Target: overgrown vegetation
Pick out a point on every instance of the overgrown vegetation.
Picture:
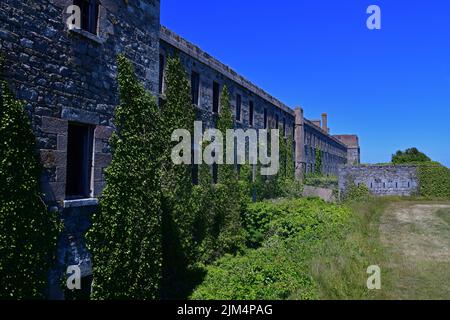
(434, 181)
(357, 193)
(340, 262)
(318, 162)
(302, 249)
(178, 245)
(28, 231)
(224, 200)
(410, 155)
(321, 181)
(283, 184)
(125, 240)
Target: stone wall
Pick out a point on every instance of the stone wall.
(381, 180)
(353, 149)
(334, 152)
(71, 76)
(65, 75)
(210, 70)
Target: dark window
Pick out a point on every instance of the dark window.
(265, 118)
(89, 14)
(162, 63)
(238, 107)
(216, 93)
(251, 111)
(284, 127)
(194, 169)
(215, 170)
(79, 161)
(195, 87)
(276, 121)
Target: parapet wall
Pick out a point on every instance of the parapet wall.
(195, 52)
(381, 180)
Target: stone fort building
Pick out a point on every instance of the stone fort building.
(67, 78)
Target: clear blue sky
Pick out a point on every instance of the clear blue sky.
(389, 86)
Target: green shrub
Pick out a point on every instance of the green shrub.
(269, 273)
(227, 204)
(434, 180)
(320, 181)
(221, 204)
(357, 193)
(411, 155)
(288, 233)
(257, 219)
(318, 162)
(290, 188)
(179, 248)
(125, 240)
(28, 231)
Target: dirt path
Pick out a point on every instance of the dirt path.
(417, 237)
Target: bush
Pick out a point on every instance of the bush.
(226, 204)
(409, 156)
(269, 273)
(28, 231)
(288, 233)
(179, 249)
(434, 180)
(320, 181)
(357, 193)
(318, 162)
(125, 239)
(257, 219)
(290, 188)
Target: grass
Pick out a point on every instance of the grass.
(409, 239)
(339, 265)
(444, 214)
(417, 243)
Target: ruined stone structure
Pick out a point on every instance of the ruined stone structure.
(253, 107)
(68, 80)
(353, 150)
(381, 180)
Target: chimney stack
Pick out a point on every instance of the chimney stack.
(325, 122)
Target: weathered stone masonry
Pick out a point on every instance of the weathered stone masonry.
(68, 78)
(277, 114)
(381, 180)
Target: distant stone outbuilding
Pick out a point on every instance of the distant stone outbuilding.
(381, 180)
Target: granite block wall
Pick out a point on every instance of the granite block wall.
(381, 180)
(211, 70)
(278, 114)
(70, 76)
